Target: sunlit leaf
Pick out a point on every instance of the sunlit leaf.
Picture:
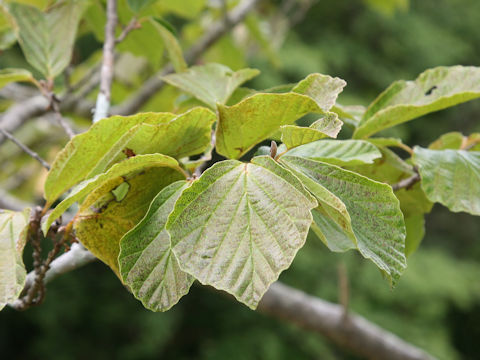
(242, 126)
(147, 264)
(116, 138)
(322, 88)
(122, 168)
(327, 126)
(240, 225)
(433, 90)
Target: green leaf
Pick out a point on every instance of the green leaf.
(376, 219)
(13, 236)
(433, 90)
(145, 42)
(171, 44)
(415, 226)
(450, 177)
(339, 152)
(137, 5)
(210, 83)
(111, 140)
(389, 168)
(293, 136)
(322, 88)
(102, 220)
(186, 9)
(147, 264)
(240, 225)
(47, 38)
(86, 154)
(331, 232)
(242, 126)
(122, 168)
(451, 140)
(14, 75)
(351, 114)
(390, 142)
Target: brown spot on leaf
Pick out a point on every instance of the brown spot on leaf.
(128, 152)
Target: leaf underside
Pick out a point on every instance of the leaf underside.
(147, 263)
(240, 225)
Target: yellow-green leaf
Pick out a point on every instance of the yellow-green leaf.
(14, 75)
(123, 168)
(256, 118)
(102, 220)
(322, 88)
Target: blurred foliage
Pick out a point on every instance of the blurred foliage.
(88, 314)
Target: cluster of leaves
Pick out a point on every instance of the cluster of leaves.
(145, 213)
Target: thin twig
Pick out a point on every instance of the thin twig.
(106, 74)
(283, 302)
(132, 25)
(213, 34)
(408, 182)
(343, 288)
(26, 149)
(55, 105)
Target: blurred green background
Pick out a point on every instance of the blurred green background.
(436, 305)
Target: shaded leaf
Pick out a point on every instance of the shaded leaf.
(390, 168)
(450, 177)
(137, 5)
(351, 114)
(240, 225)
(13, 236)
(14, 75)
(242, 126)
(102, 220)
(376, 219)
(171, 44)
(47, 38)
(147, 264)
(433, 90)
(389, 142)
(122, 168)
(210, 83)
(339, 152)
